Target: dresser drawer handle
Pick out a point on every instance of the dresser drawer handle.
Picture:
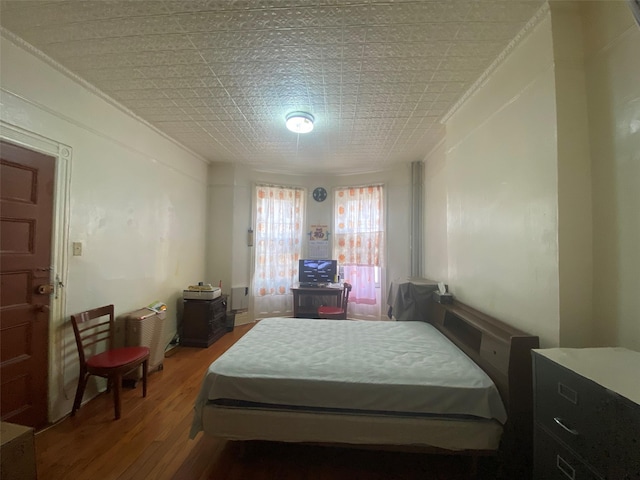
(561, 423)
(565, 467)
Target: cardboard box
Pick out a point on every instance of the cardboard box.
(17, 452)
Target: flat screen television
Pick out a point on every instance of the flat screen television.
(317, 272)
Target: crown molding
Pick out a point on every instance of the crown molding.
(531, 24)
(23, 44)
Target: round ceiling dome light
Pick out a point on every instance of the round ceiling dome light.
(300, 122)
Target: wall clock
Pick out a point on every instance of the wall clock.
(319, 194)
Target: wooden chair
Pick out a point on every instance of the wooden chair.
(96, 326)
(336, 313)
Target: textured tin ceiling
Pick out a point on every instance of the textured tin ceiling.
(220, 76)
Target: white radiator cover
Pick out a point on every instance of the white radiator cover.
(146, 328)
(239, 298)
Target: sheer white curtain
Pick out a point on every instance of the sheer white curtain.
(278, 243)
(358, 244)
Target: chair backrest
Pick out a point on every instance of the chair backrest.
(345, 296)
(92, 327)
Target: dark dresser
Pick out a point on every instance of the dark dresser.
(203, 321)
(586, 414)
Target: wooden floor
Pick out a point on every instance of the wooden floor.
(151, 440)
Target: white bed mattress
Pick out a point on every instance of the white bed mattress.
(400, 367)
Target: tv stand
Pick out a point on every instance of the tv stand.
(306, 300)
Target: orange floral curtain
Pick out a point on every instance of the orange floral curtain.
(278, 240)
(359, 239)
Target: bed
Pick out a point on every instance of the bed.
(458, 383)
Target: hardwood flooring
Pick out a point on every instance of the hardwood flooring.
(151, 440)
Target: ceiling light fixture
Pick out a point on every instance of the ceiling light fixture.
(300, 122)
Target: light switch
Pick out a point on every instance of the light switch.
(77, 249)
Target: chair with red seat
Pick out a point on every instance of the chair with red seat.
(336, 313)
(94, 327)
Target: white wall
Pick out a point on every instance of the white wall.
(575, 231)
(137, 204)
(501, 187)
(436, 264)
(612, 65)
(540, 174)
(232, 259)
(222, 215)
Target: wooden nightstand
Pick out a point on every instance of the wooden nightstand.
(203, 321)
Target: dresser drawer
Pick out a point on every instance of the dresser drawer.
(575, 410)
(553, 461)
(219, 307)
(217, 325)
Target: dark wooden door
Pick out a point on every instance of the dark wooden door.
(26, 213)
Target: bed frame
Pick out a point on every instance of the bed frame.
(504, 353)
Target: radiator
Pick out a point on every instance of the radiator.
(239, 298)
(146, 328)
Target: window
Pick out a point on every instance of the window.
(278, 243)
(359, 245)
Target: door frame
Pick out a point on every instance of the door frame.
(59, 252)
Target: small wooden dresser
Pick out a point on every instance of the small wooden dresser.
(586, 414)
(203, 321)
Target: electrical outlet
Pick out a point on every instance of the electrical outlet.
(77, 249)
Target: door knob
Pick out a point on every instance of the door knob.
(46, 289)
